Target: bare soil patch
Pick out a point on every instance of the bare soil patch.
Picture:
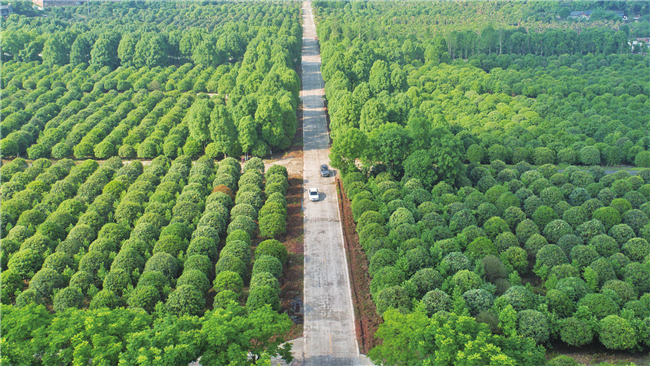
(365, 312)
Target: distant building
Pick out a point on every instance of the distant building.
(587, 14)
(580, 14)
(6, 10)
(55, 3)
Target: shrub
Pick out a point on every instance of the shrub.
(560, 303)
(461, 220)
(272, 225)
(272, 208)
(425, 280)
(454, 262)
(603, 269)
(505, 240)
(600, 305)
(170, 244)
(621, 205)
(480, 248)
(478, 300)
(185, 300)
(635, 219)
(362, 206)
(550, 256)
(229, 280)
(277, 169)
(45, 281)
(239, 235)
(495, 226)
(604, 245)
(117, 281)
(435, 301)
(156, 279)
(513, 216)
(203, 246)
(69, 297)
(525, 230)
(273, 248)
(244, 223)
(619, 261)
(622, 233)
(573, 287)
(621, 292)
(575, 332)
(59, 261)
(638, 275)
(267, 263)
(369, 217)
(401, 216)
(237, 249)
(394, 297)
(466, 280)
(533, 324)
(551, 196)
(196, 279)
(582, 255)
(105, 299)
(384, 278)
(261, 296)
(535, 243)
(567, 242)
(265, 279)
(617, 333)
(520, 298)
(144, 297)
(608, 216)
(199, 262)
(517, 258)
(590, 229)
(544, 215)
(556, 229)
(164, 263)
(636, 249)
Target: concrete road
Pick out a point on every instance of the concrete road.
(329, 331)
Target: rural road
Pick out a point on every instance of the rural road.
(329, 330)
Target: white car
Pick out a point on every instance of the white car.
(313, 194)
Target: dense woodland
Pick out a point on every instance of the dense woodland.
(161, 262)
(129, 80)
(448, 126)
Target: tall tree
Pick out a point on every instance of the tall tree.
(198, 119)
(81, 48)
(56, 50)
(104, 52)
(126, 49)
(223, 131)
(247, 133)
(347, 148)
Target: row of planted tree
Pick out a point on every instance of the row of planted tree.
(476, 264)
(95, 109)
(162, 238)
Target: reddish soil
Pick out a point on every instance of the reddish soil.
(365, 312)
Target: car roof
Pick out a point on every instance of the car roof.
(312, 190)
(324, 166)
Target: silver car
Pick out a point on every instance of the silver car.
(314, 195)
